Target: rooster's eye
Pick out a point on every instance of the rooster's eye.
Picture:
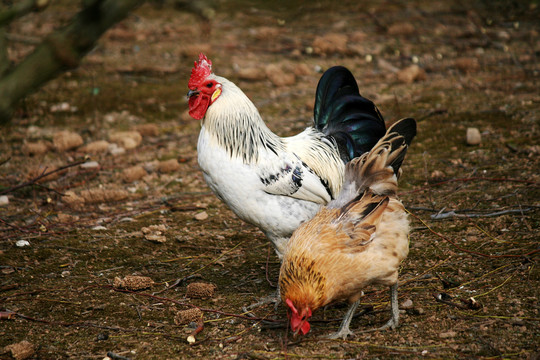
(209, 85)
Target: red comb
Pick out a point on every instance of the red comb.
(200, 71)
(291, 306)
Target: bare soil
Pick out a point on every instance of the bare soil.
(469, 288)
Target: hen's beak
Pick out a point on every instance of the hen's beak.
(192, 93)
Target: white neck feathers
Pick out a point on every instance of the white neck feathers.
(235, 124)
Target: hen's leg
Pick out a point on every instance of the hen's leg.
(344, 330)
(394, 320)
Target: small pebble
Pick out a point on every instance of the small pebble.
(407, 304)
(4, 200)
(473, 136)
(448, 334)
(99, 227)
(90, 165)
(201, 216)
(22, 243)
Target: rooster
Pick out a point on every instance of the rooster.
(358, 239)
(277, 183)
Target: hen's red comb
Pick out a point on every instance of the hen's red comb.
(200, 71)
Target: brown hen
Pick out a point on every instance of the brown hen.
(358, 239)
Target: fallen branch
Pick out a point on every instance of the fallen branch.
(451, 214)
(45, 173)
(443, 300)
(200, 326)
(5, 161)
(13, 226)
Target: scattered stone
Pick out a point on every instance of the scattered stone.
(448, 334)
(21, 351)
(437, 175)
(473, 136)
(151, 166)
(98, 195)
(503, 35)
(192, 51)
(278, 76)
(66, 218)
(467, 64)
(401, 29)
(22, 243)
(90, 165)
(99, 228)
(147, 129)
(63, 107)
(38, 171)
(332, 43)
(95, 147)
(184, 317)
(160, 239)
(35, 148)
(127, 139)
(151, 228)
(199, 290)
(251, 74)
(133, 282)
(67, 140)
(114, 149)
(133, 173)
(266, 33)
(4, 200)
(407, 304)
(386, 66)
(201, 216)
(411, 74)
(302, 69)
(154, 233)
(73, 200)
(168, 166)
(358, 36)
(123, 116)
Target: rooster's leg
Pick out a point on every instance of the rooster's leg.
(344, 330)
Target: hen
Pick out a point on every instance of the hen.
(357, 240)
(272, 182)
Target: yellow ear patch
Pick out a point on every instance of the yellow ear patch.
(215, 95)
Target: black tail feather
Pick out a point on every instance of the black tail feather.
(341, 113)
(404, 131)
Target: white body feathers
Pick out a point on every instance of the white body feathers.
(271, 182)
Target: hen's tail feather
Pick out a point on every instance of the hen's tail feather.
(379, 169)
(352, 121)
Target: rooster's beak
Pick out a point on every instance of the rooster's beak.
(192, 93)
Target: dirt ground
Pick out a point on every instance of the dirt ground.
(139, 206)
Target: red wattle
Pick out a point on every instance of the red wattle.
(198, 106)
(305, 328)
(298, 326)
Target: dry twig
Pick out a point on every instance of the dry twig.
(45, 173)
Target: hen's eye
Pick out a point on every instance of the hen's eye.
(209, 85)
